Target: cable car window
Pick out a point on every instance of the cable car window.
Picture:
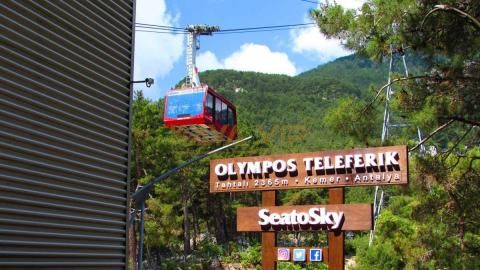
(185, 104)
(230, 117)
(224, 114)
(218, 110)
(209, 104)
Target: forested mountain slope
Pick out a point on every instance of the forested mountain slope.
(324, 108)
(290, 109)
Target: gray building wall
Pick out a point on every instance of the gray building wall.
(64, 133)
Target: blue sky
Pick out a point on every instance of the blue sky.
(290, 52)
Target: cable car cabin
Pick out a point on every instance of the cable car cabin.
(200, 113)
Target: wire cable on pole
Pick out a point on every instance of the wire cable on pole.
(159, 26)
(308, 1)
(268, 27)
(161, 32)
(163, 29)
(262, 30)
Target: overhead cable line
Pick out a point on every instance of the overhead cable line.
(313, 2)
(261, 30)
(162, 29)
(159, 26)
(267, 27)
(220, 32)
(161, 32)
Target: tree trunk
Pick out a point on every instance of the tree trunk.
(186, 224)
(138, 162)
(225, 226)
(461, 235)
(219, 217)
(132, 244)
(209, 227)
(461, 232)
(132, 233)
(195, 228)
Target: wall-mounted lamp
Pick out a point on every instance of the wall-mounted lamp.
(148, 82)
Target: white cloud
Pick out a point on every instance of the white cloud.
(260, 58)
(208, 61)
(155, 54)
(350, 4)
(311, 42)
(353, 4)
(250, 57)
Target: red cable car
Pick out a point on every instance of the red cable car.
(201, 114)
(196, 110)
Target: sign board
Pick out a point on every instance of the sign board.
(331, 217)
(354, 167)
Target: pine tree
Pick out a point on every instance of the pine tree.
(445, 101)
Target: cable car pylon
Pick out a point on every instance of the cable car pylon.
(380, 196)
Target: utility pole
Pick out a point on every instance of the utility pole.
(193, 45)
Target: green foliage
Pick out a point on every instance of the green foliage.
(299, 266)
(251, 256)
(381, 256)
(348, 118)
(359, 195)
(446, 40)
(304, 196)
(432, 224)
(209, 249)
(285, 111)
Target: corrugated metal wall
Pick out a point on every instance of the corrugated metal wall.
(64, 133)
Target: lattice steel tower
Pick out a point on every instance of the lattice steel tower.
(388, 123)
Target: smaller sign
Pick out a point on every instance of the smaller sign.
(298, 254)
(331, 217)
(283, 254)
(316, 255)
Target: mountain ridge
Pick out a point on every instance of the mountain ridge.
(290, 110)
